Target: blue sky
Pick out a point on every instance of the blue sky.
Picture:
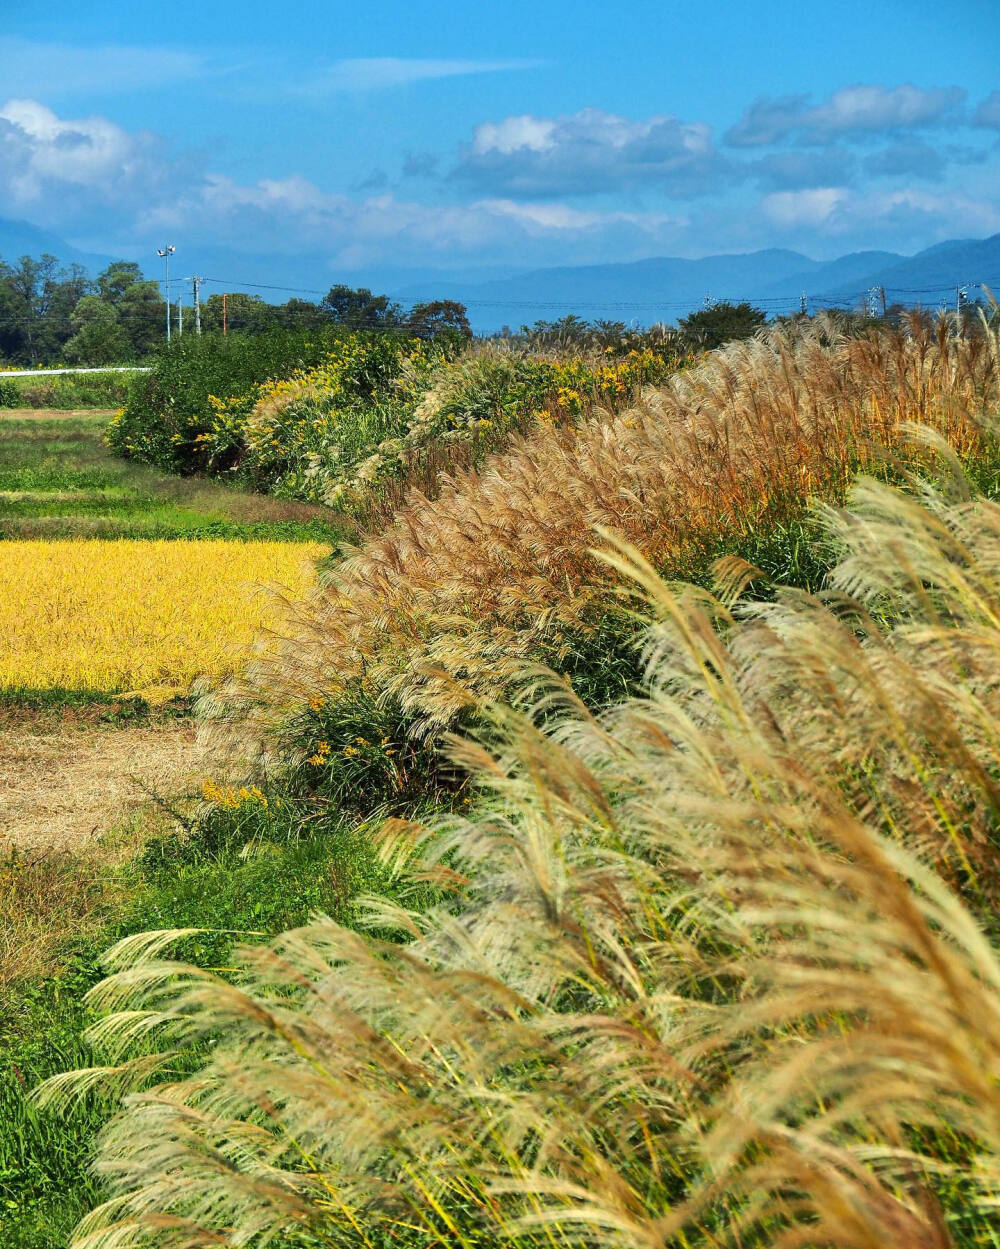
(393, 136)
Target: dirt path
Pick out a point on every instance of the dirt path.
(65, 785)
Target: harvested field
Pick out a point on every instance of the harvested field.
(63, 786)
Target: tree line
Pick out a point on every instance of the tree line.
(51, 313)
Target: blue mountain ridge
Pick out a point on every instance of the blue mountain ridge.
(659, 288)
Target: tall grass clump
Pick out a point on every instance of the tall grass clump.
(717, 966)
(445, 605)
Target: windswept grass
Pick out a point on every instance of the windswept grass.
(445, 606)
(717, 967)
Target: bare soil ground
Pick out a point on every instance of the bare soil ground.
(64, 783)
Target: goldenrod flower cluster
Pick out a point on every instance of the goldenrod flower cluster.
(233, 799)
(337, 433)
(134, 616)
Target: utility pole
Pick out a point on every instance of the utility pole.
(224, 327)
(195, 283)
(166, 253)
(180, 315)
(961, 298)
(803, 305)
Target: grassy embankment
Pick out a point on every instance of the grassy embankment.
(609, 905)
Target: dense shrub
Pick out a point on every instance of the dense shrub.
(169, 412)
(290, 435)
(371, 417)
(380, 416)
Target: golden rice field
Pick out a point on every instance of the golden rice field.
(137, 616)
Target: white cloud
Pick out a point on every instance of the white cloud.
(906, 215)
(812, 208)
(514, 134)
(852, 112)
(591, 151)
(876, 108)
(42, 156)
(93, 181)
(564, 217)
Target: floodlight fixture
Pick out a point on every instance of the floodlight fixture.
(166, 253)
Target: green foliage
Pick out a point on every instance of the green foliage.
(170, 407)
(66, 390)
(98, 334)
(360, 753)
(382, 413)
(37, 298)
(722, 323)
(437, 318)
(49, 314)
(359, 309)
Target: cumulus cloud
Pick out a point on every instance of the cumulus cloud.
(526, 180)
(589, 152)
(850, 113)
(795, 168)
(58, 167)
(908, 158)
(905, 214)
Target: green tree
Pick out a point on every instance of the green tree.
(118, 278)
(140, 308)
(440, 316)
(99, 337)
(36, 303)
(244, 313)
(722, 323)
(302, 314)
(142, 312)
(359, 309)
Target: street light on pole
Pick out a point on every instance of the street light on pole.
(166, 253)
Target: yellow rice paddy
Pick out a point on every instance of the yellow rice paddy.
(135, 616)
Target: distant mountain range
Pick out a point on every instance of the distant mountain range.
(641, 291)
(21, 238)
(663, 289)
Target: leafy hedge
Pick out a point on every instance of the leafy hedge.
(168, 407)
(356, 422)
